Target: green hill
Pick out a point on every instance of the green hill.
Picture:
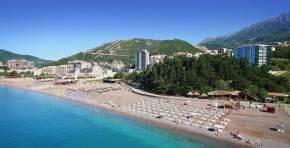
(125, 50)
(266, 32)
(7, 55)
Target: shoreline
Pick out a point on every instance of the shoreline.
(162, 123)
(157, 122)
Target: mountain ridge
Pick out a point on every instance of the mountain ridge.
(124, 50)
(268, 31)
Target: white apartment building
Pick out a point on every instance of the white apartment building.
(37, 72)
(76, 69)
(186, 54)
(141, 60)
(156, 59)
(197, 55)
(222, 50)
(117, 64)
(58, 70)
(1, 64)
(61, 70)
(212, 52)
(97, 71)
(108, 73)
(83, 66)
(19, 64)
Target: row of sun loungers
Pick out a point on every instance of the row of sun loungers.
(100, 90)
(187, 115)
(253, 106)
(75, 95)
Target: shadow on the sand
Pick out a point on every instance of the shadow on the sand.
(211, 129)
(273, 129)
(222, 107)
(264, 111)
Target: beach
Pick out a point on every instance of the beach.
(260, 127)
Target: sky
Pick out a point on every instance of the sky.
(53, 29)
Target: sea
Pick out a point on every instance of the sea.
(35, 120)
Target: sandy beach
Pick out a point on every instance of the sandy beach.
(259, 125)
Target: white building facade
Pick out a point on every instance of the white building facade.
(156, 59)
(141, 60)
(83, 66)
(19, 64)
(117, 64)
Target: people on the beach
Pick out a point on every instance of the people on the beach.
(265, 107)
(249, 141)
(258, 143)
(245, 125)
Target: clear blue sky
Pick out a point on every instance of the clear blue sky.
(52, 29)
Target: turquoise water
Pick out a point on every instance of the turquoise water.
(29, 119)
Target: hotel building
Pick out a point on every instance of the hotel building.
(83, 66)
(117, 64)
(58, 70)
(186, 54)
(19, 64)
(141, 60)
(256, 54)
(156, 59)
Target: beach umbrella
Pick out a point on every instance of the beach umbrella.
(281, 126)
(190, 93)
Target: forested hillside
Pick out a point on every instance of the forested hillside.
(7, 55)
(124, 50)
(180, 75)
(280, 59)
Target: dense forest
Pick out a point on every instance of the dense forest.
(281, 52)
(280, 59)
(180, 75)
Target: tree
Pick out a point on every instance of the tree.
(13, 73)
(251, 90)
(205, 89)
(240, 83)
(262, 94)
(182, 74)
(161, 88)
(222, 85)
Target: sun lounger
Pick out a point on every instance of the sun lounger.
(252, 106)
(259, 106)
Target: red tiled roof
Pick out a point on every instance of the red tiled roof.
(276, 94)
